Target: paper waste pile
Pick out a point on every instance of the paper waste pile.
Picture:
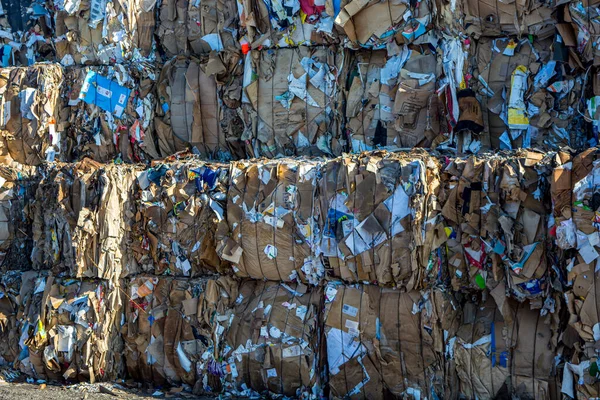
(304, 199)
(404, 274)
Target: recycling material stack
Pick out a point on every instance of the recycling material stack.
(309, 199)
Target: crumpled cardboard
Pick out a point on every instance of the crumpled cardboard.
(374, 210)
(500, 354)
(18, 185)
(273, 216)
(371, 23)
(495, 209)
(271, 341)
(292, 94)
(102, 33)
(30, 105)
(199, 107)
(287, 24)
(195, 28)
(180, 208)
(82, 220)
(69, 328)
(526, 98)
(384, 342)
(10, 285)
(170, 334)
(390, 101)
(109, 113)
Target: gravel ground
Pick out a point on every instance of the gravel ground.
(36, 391)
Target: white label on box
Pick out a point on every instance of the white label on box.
(293, 351)
(352, 327)
(349, 310)
(104, 92)
(122, 98)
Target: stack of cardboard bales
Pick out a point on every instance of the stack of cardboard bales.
(401, 274)
(457, 274)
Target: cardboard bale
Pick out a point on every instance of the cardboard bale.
(272, 342)
(384, 343)
(374, 210)
(577, 31)
(199, 107)
(526, 99)
(69, 328)
(26, 34)
(293, 95)
(498, 355)
(29, 109)
(180, 207)
(372, 24)
(103, 33)
(109, 112)
(82, 216)
(498, 18)
(287, 24)
(495, 208)
(273, 217)
(194, 28)
(170, 332)
(391, 101)
(10, 286)
(17, 194)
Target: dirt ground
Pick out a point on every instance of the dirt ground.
(106, 391)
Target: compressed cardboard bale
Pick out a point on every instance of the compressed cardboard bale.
(579, 338)
(497, 18)
(103, 33)
(170, 332)
(273, 341)
(69, 329)
(382, 342)
(372, 24)
(26, 34)
(391, 101)
(109, 112)
(575, 28)
(194, 28)
(10, 285)
(29, 109)
(17, 193)
(293, 93)
(180, 207)
(576, 214)
(199, 107)
(495, 209)
(273, 214)
(374, 209)
(498, 355)
(526, 98)
(290, 24)
(81, 220)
